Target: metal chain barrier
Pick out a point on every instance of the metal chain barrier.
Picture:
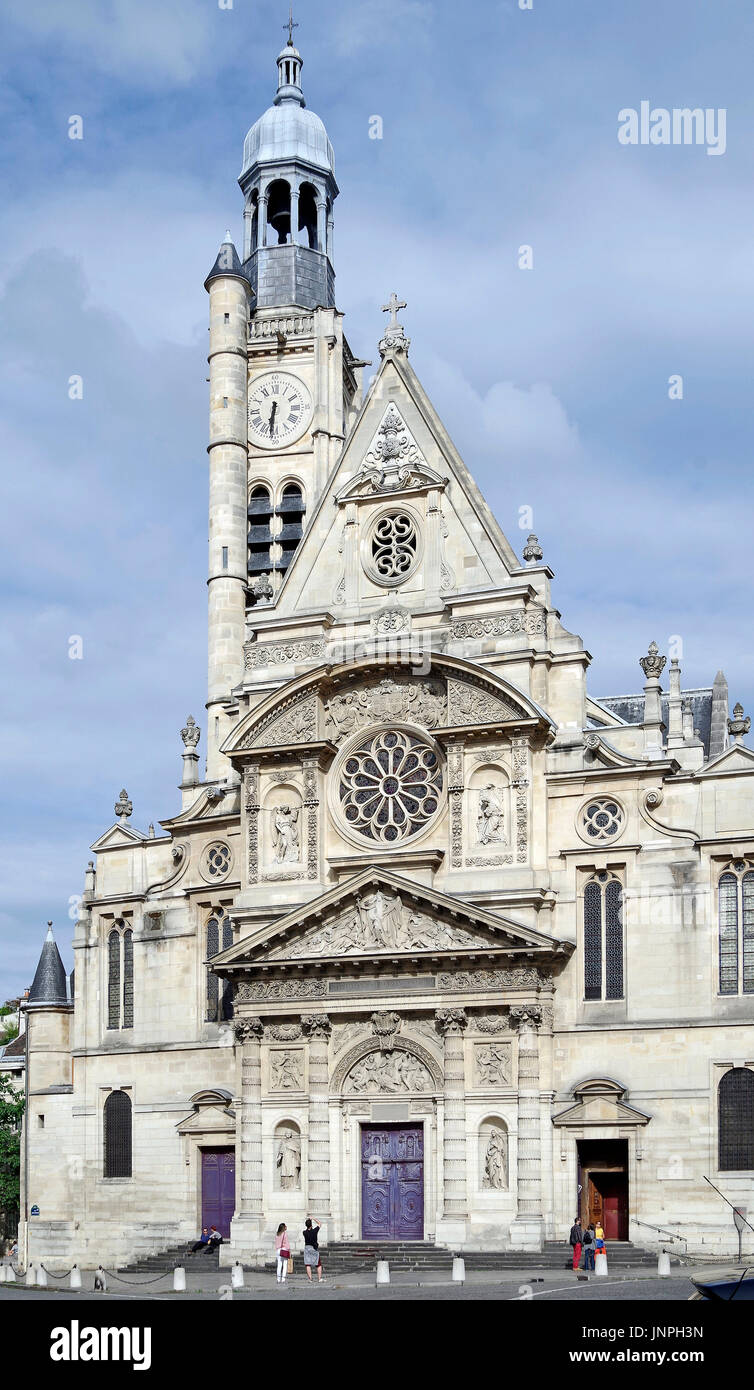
(53, 1275)
(138, 1283)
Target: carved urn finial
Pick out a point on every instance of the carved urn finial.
(532, 550)
(123, 807)
(740, 724)
(191, 733)
(652, 664)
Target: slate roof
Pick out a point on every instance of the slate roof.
(631, 709)
(17, 1048)
(49, 985)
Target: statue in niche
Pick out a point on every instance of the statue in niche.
(389, 1073)
(496, 1161)
(493, 1065)
(490, 819)
(288, 1160)
(285, 1071)
(285, 833)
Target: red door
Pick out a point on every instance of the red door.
(614, 1206)
(218, 1188)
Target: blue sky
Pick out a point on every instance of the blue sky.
(499, 129)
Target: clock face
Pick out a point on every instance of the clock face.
(280, 408)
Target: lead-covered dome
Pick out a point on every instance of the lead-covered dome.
(288, 130)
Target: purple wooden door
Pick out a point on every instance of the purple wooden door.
(392, 1182)
(218, 1188)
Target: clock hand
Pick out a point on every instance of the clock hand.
(272, 417)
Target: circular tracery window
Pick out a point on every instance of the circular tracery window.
(217, 860)
(393, 547)
(602, 818)
(389, 786)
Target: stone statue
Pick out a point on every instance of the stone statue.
(496, 1161)
(389, 1073)
(289, 1160)
(285, 833)
(380, 919)
(286, 1071)
(490, 820)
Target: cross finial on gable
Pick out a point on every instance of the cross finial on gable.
(392, 307)
(291, 25)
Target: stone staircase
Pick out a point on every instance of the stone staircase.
(410, 1256)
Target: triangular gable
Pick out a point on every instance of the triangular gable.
(379, 913)
(600, 1101)
(118, 837)
(737, 758)
(470, 525)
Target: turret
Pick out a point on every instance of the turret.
(48, 1020)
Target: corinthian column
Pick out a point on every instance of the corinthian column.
(527, 1229)
(317, 1028)
(451, 1023)
(247, 1224)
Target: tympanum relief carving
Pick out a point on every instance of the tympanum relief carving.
(388, 1073)
(379, 921)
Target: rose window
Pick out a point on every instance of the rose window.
(394, 547)
(217, 861)
(390, 786)
(602, 819)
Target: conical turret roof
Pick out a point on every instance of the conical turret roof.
(49, 985)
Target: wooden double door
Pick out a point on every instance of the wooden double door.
(603, 1185)
(392, 1182)
(218, 1188)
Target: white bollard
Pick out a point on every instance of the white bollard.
(236, 1276)
(459, 1270)
(75, 1277)
(179, 1279)
(663, 1265)
(31, 1276)
(383, 1272)
(41, 1277)
(600, 1262)
(3, 1273)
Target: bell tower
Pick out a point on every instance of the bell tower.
(284, 384)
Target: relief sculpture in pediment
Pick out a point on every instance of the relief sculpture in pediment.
(378, 921)
(414, 702)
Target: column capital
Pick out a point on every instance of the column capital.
(450, 1021)
(525, 1016)
(316, 1026)
(248, 1029)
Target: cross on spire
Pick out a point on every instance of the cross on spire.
(291, 25)
(392, 307)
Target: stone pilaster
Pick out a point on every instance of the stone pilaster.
(317, 1028)
(251, 814)
(246, 1229)
(311, 808)
(527, 1229)
(455, 801)
(451, 1024)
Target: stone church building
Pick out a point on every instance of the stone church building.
(437, 945)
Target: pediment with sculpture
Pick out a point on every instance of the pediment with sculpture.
(334, 702)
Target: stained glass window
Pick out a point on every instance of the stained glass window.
(603, 938)
(120, 977)
(117, 1135)
(735, 907)
(736, 1120)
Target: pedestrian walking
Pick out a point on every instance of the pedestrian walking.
(576, 1240)
(589, 1247)
(312, 1257)
(282, 1252)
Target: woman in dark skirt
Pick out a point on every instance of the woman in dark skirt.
(312, 1259)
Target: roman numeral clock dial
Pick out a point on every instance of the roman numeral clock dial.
(280, 409)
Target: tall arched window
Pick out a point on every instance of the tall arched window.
(290, 509)
(603, 937)
(735, 898)
(118, 1144)
(219, 992)
(120, 976)
(259, 537)
(735, 1120)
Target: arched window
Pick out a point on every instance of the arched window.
(735, 899)
(259, 537)
(290, 509)
(603, 938)
(120, 976)
(279, 210)
(735, 1120)
(117, 1135)
(219, 936)
(307, 215)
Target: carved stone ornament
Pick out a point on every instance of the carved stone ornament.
(492, 1064)
(263, 991)
(385, 702)
(472, 704)
(495, 1160)
(190, 733)
(521, 620)
(391, 621)
(247, 1029)
(520, 977)
(526, 1016)
(261, 654)
(317, 1026)
(652, 663)
(378, 922)
(394, 338)
(296, 724)
(397, 1072)
(393, 459)
(532, 551)
(285, 834)
(284, 1032)
(740, 724)
(123, 806)
(385, 1025)
(287, 1070)
(489, 1023)
(449, 1021)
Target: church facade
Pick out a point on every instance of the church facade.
(437, 946)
